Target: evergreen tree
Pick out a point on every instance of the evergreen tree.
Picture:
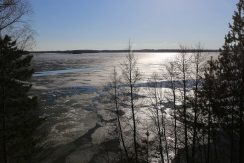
(207, 102)
(228, 92)
(18, 115)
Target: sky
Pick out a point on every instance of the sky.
(149, 24)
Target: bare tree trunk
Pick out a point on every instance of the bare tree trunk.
(115, 85)
(185, 116)
(157, 117)
(108, 160)
(204, 148)
(215, 151)
(160, 138)
(165, 138)
(241, 105)
(175, 114)
(194, 134)
(147, 133)
(131, 75)
(133, 118)
(171, 76)
(5, 159)
(183, 67)
(214, 139)
(232, 136)
(4, 147)
(201, 152)
(241, 147)
(209, 133)
(175, 126)
(195, 117)
(155, 95)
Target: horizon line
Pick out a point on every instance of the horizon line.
(124, 50)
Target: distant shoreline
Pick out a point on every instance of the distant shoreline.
(124, 51)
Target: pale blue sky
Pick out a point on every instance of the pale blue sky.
(109, 24)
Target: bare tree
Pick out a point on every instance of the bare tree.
(131, 75)
(183, 63)
(164, 133)
(115, 82)
(170, 74)
(13, 22)
(155, 96)
(12, 13)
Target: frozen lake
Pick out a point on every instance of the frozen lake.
(68, 88)
(90, 69)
